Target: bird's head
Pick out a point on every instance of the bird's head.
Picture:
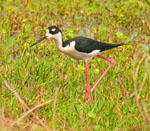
(51, 32)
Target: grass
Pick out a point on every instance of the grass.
(120, 102)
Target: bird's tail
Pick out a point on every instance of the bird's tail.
(106, 46)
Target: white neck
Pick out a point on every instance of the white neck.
(58, 41)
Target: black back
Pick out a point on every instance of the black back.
(87, 45)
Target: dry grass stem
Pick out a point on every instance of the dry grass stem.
(2, 118)
(139, 64)
(145, 112)
(54, 109)
(141, 104)
(31, 110)
(24, 104)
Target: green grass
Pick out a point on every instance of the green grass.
(36, 72)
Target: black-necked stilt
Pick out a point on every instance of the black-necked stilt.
(80, 48)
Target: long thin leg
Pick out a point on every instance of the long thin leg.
(87, 82)
(111, 64)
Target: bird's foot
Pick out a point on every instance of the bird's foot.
(89, 97)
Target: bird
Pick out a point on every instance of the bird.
(80, 48)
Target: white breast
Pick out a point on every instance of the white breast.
(71, 51)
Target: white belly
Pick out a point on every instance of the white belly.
(80, 55)
(72, 52)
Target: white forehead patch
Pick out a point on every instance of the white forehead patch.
(53, 29)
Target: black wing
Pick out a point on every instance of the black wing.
(87, 45)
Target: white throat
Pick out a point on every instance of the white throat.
(58, 40)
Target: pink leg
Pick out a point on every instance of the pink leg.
(87, 82)
(111, 64)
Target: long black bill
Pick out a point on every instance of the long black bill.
(38, 41)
